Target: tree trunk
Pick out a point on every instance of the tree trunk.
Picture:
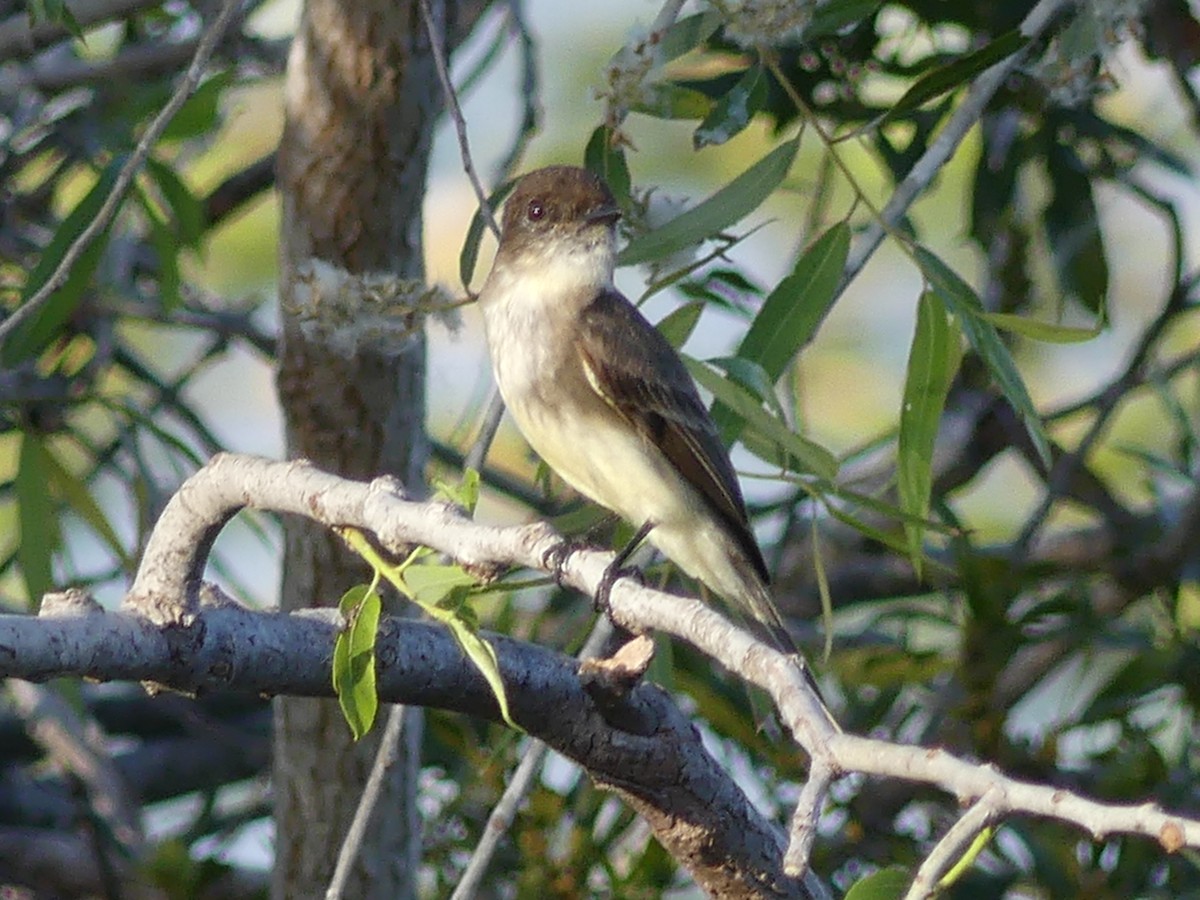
(362, 98)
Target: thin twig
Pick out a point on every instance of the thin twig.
(531, 89)
(946, 143)
(191, 78)
(950, 848)
(385, 759)
(436, 42)
(492, 415)
(505, 810)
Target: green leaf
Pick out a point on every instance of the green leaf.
(187, 209)
(166, 248)
(730, 204)
(449, 585)
(687, 34)
(1044, 331)
(981, 334)
(469, 255)
(932, 361)
(37, 517)
(53, 12)
(748, 374)
(955, 74)
(732, 113)
(831, 17)
(1073, 229)
(667, 100)
(483, 655)
(968, 858)
(73, 490)
(200, 114)
(677, 326)
(607, 162)
(431, 583)
(886, 884)
(812, 456)
(792, 311)
(32, 337)
(464, 495)
(354, 657)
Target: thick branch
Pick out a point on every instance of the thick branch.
(696, 808)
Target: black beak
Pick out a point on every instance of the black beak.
(607, 214)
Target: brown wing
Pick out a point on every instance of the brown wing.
(639, 374)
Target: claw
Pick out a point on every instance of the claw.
(612, 574)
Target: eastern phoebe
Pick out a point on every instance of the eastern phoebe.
(604, 399)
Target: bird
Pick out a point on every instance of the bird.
(605, 400)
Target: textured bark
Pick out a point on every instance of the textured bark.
(362, 97)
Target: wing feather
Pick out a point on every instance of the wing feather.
(638, 373)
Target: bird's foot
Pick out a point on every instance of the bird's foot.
(556, 557)
(612, 574)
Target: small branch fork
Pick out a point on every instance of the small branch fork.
(167, 591)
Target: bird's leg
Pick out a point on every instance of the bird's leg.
(615, 570)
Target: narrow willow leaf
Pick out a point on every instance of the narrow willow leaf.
(955, 74)
(886, 884)
(981, 334)
(731, 114)
(730, 204)
(469, 255)
(464, 494)
(33, 336)
(421, 582)
(1072, 225)
(483, 655)
(893, 540)
(40, 535)
(790, 315)
(677, 326)
(607, 162)
(1044, 331)
(834, 15)
(812, 456)
(748, 374)
(431, 583)
(932, 361)
(354, 657)
(186, 207)
(166, 248)
(199, 115)
(667, 100)
(73, 490)
(981, 841)
(687, 34)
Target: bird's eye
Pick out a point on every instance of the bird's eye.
(536, 210)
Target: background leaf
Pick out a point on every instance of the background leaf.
(727, 206)
(932, 362)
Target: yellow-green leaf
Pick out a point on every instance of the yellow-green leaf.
(1044, 331)
(812, 456)
(932, 361)
(727, 206)
(354, 657)
(40, 533)
(961, 299)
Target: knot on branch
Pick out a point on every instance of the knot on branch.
(71, 602)
(610, 681)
